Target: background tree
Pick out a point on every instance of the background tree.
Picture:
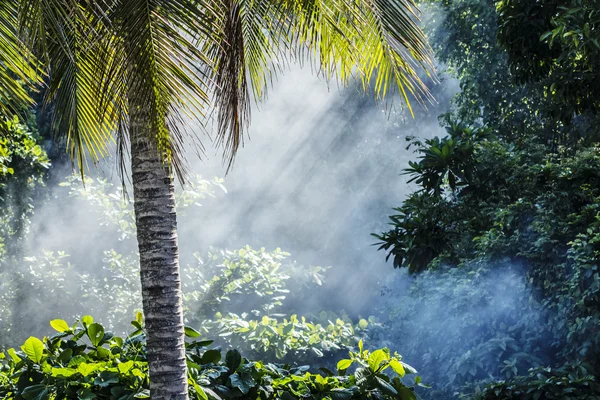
(560, 48)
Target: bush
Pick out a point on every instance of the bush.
(570, 382)
(83, 361)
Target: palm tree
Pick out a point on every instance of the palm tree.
(132, 74)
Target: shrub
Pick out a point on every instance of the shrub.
(570, 382)
(83, 361)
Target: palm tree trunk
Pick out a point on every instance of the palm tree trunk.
(154, 205)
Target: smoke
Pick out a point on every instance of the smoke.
(460, 325)
(320, 172)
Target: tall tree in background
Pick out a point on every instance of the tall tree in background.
(135, 73)
(557, 43)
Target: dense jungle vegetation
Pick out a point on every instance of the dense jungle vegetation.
(495, 290)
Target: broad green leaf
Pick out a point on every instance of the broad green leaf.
(398, 368)
(201, 343)
(65, 356)
(233, 359)
(199, 391)
(102, 353)
(60, 325)
(95, 332)
(341, 394)
(87, 320)
(344, 364)
(143, 394)
(13, 355)
(106, 378)
(385, 387)
(85, 394)
(138, 372)
(85, 369)
(406, 394)
(125, 367)
(211, 356)
(34, 348)
(376, 358)
(191, 332)
(35, 392)
(244, 382)
(63, 372)
(408, 368)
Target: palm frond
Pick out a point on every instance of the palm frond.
(19, 68)
(105, 55)
(73, 42)
(244, 59)
(110, 59)
(166, 74)
(377, 41)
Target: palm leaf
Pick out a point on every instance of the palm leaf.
(19, 71)
(376, 41)
(174, 58)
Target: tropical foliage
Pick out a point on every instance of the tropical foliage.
(84, 361)
(501, 229)
(496, 288)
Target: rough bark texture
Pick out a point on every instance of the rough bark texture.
(154, 205)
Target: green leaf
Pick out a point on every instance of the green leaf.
(87, 320)
(386, 387)
(34, 348)
(125, 367)
(13, 355)
(201, 343)
(376, 358)
(65, 356)
(143, 394)
(199, 391)
(63, 372)
(139, 317)
(35, 392)
(243, 382)
(408, 368)
(85, 394)
(341, 394)
(85, 369)
(106, 378)
(191, 332)
(344, 364)
(397, 367)
(211, 356)
(233, 359)
(101, 354)
(96, 333)
(60, 325)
